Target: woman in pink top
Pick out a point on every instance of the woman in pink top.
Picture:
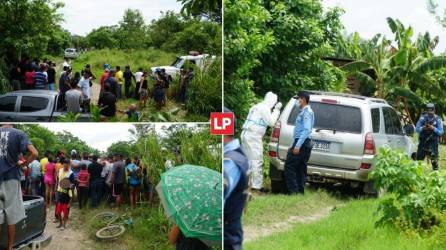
(49, 179)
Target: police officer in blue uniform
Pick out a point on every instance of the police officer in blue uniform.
(235, 191)
(430, 128)
(295, 173)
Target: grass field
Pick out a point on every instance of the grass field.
(350, 226)
(172, 111)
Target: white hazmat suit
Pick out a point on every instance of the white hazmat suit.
(254, 128)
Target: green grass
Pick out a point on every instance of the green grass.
(348, 227)
(146, 59)
(283, 206)
(149, 231)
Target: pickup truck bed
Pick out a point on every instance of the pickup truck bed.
(29, 231)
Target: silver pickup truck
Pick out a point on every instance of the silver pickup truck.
(32, 106)
(29, 231)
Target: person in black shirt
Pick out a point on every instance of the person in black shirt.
(128, 75)
(112, 83)
(64, 86)
(51, 76)
(107, 103)
(16, 77)
(95, 170)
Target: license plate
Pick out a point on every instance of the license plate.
(321, 145)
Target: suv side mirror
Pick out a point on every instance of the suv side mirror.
(409, 129)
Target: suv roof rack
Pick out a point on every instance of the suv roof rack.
(360, 97)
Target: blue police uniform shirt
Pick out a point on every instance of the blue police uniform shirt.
(438, 126)
(231, 172)
(304, 125)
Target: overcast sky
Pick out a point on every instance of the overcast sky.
(102, 135)
(82, 16)
(368, 17)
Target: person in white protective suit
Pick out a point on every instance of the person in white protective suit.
(254, 128)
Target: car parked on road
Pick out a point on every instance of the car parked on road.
(71, 53)
(29, 231)
(347, 132)
(32, 106)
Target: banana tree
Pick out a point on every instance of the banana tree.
(404, 70)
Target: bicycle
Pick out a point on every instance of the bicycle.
(115, 224)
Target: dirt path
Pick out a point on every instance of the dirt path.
(72, 238)
(252, 233)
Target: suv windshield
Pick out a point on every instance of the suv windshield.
(333, 117)
(177, 63)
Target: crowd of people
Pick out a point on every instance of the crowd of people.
(91, 180)
(76, 89)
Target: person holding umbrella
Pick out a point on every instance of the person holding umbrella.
(191, 197)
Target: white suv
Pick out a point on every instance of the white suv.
(348, 130)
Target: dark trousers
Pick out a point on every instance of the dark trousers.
(83, 196)
(183, 90)
(428, 144)
(137, 90)
(295, 173)
(119, 91)
(96, 192)
(127, 88)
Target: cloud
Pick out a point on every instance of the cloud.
(102, 135)
(82, 16)
(368, 17)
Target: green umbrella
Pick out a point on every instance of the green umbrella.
(192, 198)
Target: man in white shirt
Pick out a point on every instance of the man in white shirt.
(138, 76)
(84, 85)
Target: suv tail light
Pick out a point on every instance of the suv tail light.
(365, 166)
(369, 144)
(276, 132)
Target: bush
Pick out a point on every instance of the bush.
(204, 92)
(418, 198)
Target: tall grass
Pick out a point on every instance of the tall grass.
(196, 148)
(145, 58)
(205, 90)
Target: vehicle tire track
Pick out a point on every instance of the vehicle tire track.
(252, 233)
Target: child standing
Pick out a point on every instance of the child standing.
(65, 176)
(143, 90)
(84, 180)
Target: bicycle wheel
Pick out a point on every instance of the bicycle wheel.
(105, 217)
(109, 232)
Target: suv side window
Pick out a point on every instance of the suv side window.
(7, 103)
(375, 120)
(392, 122)
(33, 103)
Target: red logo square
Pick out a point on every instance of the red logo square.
(222, 123)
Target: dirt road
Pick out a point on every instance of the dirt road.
(72, 237)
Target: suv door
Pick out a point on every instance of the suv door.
(393, 129)
(8, 108)
(34, 109)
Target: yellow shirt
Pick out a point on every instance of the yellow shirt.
(43, 163)
(119, 77)
(58, 166)
(61, 175)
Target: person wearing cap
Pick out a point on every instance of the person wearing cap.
(104, 77)
(298, 154)
(430, 128)
(260, 117)
(235, 173)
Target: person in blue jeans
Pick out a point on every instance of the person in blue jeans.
(96, 181)
(295, 173)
